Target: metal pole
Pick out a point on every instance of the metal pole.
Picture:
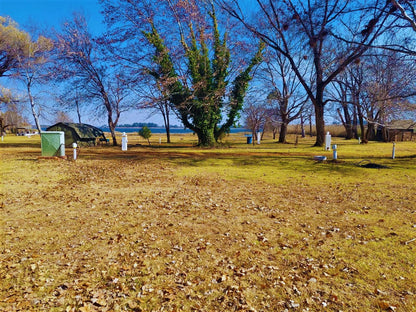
(393, 154)
(334, 151)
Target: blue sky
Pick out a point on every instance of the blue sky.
(45, 14)
(50, 13)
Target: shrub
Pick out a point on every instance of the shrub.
(145, 133)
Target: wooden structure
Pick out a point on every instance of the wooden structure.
(401, 130)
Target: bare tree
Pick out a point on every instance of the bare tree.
(100, 80)
(389, 82)
(61, 116)
(407, 10)
(345, 107)
(320, 26)
(71, 99)
(374, 91)
(24, 59)
(155, 97)
(284, 90)
(256, 114)
(32, 69)
(12, 117)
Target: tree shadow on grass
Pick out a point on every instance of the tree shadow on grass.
(20, 145)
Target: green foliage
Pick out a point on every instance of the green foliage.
(200, 106)
(145, 133)
(12, 43)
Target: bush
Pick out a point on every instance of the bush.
(145, 133)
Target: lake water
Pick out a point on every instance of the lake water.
(162, 130)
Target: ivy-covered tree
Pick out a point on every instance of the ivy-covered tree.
(201, 104)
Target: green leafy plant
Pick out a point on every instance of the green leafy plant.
(145, 133)
(201, 105)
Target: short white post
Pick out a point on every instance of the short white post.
(2, 138)
(328, 141)
(258, 137)
(334, 152)
(393, 154)
(359, 140)
(74, 146)
(124, 142)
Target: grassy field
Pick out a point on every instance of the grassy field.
(236, 228)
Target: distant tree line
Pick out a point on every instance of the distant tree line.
(213, 63)
(139, 125)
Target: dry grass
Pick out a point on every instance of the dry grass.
(177, 228)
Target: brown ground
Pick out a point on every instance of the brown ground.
(154, 231)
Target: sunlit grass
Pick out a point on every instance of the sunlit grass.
(178, 228)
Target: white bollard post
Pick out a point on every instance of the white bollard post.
(359, 140)
(124, 142)
(334, 152)
(74, 146)
(258, 137)
(393, 154)
(2, 138)
(328, 141)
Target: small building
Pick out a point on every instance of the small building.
(401, 130)
(79, 133)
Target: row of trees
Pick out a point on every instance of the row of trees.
(328, 43)
(196, 59)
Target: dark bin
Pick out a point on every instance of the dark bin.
(249, 139)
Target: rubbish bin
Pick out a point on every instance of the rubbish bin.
(249, 139)
(53, 143)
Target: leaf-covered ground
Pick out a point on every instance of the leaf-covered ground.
(204, 230)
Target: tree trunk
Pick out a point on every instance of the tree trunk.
(283, 132)
(302, 126)
(346, 121)
(32, 105)
(361, 121)
(370, 134)
(206, 137)
(349, 133)
(168, 134)
(78, 111)
(355, 122)
(310, 125)
(112, 130)
(320, 124)
(166, 121)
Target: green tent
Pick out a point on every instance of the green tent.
(78, 133)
